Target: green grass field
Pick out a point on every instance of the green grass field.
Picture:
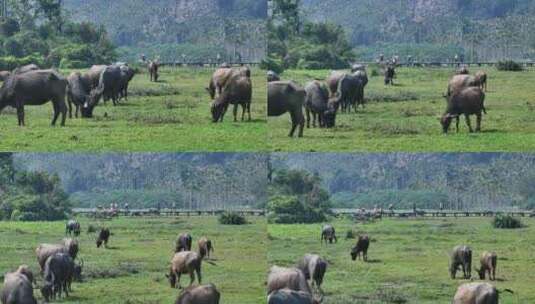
(171, 115)
(132, 270)
(408, 259)
(405, 117)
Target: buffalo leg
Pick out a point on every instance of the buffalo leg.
(468, 123)
(70, 107)
(235, 112)
(307, 112)
(249, 110)
(20, 115)
(294, 124)
(301, 122)
(199, 277)
(178, 280)
(478, 123)
(243, 110)
(63, 110)
(457, 123)
(56, 113)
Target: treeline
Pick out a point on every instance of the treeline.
(40, 32)
(457, 181)
(191, 181)
(478, 30)
(30, 196)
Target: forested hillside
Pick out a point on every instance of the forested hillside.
(433, 29)
(458, 181)
(156, 180)
(198, 29)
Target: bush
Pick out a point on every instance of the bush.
(272, 64)
(290, 210)
(509, 65)
(232, 218)
(11, 62)
(505, 221)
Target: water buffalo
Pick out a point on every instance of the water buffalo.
(332, 81)
(314, 268)
(91, 77)
(390, 73)
(35, 87)
(17, 289)
(272, 76)
(237, 91)
(287, 96)
(127, 74)
(58, 275)
(77, 94)
(288, 296)
(362, 76)
(488, 261)
(349, 88)
(183, 242)
(103, 237)
(328, 234)
(44, 251)
(358, 67)
(362, 245)
(153, 70)
(72, 226)
(462, 71)
(317, 103)
(469, 101)
(481, 80)
(4, 75)
(221, 77)
(202, 294)
(461, 256)
(205, 246)
(109, 84)
(291, 278)
(184, 262)
(26, 68)
(477, 293)
(459, 82)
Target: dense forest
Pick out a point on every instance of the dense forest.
(197, 181)
(458, 181)
(481, 30)
(180, 30)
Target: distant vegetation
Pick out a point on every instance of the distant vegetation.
(505, 221)
(30, 196)
(232, 218)
(40, 32)
(509, 65)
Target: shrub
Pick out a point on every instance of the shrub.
(232, 218)
(11, 62)
(509, 65)
(290, 210)
(273, 64)
(505, 221)
(350, 234)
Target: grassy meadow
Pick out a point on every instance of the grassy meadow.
(171, 115)
(132, 269)
(408, 259)
(405, 117)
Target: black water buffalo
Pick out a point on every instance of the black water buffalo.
(287, 96)
(110, 83)
(72, 226)
(328, 233)
(183, 242)
(488, 261)
(390, 73)
(153, 70)
(58, 275)
(184, 262)
(17, 289)
(469, 101)
(127, 74)
(314, 268)
(237, 91)
(103, 237)
(91, 77)
(362, 76)
(272, 76)
(349, 88)
(78, 94)
(461, 256)
(35, 87)
(317, 103)
(362, 245)
(202, 294)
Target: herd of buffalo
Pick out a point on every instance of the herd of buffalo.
(31, 85)
(344, 91)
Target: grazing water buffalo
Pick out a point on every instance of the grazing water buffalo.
(459, 82)
(58, 275)
(221, 77)
(488, 261)
(291, 278)
(109, 84)
(17, 288)
(272, 76)
(317, 103)
(35, 88)
(73, 226)
(288, 296)
(461, 256)
(184, 262)
(363, 78)
(328, 234)
(314, 268)
(77, 94)
(237, 91)
(205, 246)
(481, 80)
(183, 242)
(44, 251)
(469, 101)
(91, 78)
(477, 293)
(362, 246)
(4, 75)
(153, 70)
(287, 96)
(390, 73)
(202, 294)
(349, 88)
(103, 237)
(127, 74)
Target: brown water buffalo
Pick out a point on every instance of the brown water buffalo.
(362, 245)
(272, 76)
(237, 91)
(103, 237)
(221, 77)
(153, 70)
(291, 278)
(314, 268)
(184, 262)
(202, 294)
(488, 261)
(459, 82)
(44, 251)
(477, 293)
(481, 80)
(4, 75)
(288, 296)
(332, 81)
(469, 101)
(183, 242)
(461, 256)
(17, 289)
(91, 77)
(328, 233)
(58, 275)
(35, 87)
(287, 96)
(205, 247)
